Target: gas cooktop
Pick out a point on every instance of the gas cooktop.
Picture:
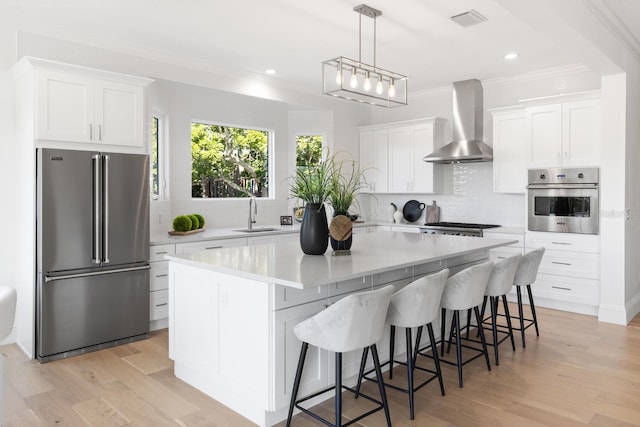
(456, 228)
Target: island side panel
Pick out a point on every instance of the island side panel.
(219, 337)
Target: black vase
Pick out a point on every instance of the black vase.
(314, 231)
(340, 245)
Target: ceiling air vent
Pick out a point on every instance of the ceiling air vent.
(468, 18)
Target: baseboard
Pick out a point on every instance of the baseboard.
(612, 314)
(633, 308)
(155, 325)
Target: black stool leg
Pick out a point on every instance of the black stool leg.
(442, 327)
(456, 320)
(508, 316)
(296, 382)
(417, 346)
(363, 362)
(454, 323)
(484, 342)
(410, 372)
(436, 359)
(494, 326)
(392, 344)
(383, 394)
(468, 322)
(338, 389)
(533, 309)
(521, 314)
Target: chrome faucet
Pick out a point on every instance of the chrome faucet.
(252, 212)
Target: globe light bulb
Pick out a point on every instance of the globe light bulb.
(392, 89)
(367, 82)
(379, 88)
(354, 78)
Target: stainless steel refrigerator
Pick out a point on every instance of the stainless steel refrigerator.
(92, 251)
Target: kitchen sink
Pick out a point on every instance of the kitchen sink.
(256, 229)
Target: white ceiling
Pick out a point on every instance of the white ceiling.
(415, 37)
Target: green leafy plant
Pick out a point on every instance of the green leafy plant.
(312, 182)
(347, 179)
(182, 223)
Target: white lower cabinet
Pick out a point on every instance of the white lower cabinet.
(183, 248)
(159, 285)
(569, 274)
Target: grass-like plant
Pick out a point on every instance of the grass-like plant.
(312, 182)
(347, 180)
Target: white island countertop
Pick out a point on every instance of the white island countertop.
(284, 263)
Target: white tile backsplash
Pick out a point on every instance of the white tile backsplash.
(470, 199)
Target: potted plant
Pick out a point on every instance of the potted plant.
(347, 180)
(312, 185)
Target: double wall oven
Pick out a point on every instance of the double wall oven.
(563, 200)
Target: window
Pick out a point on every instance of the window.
(308, 150)
(229, 161)
(157, 139)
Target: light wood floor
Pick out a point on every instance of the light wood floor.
(579, 372)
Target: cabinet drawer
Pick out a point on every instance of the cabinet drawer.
(563, 242)
(159, 276)
(392, 276)
(158, 305)
(503, 253)
(183, 248)
(157, 252)
(507, 236)
(572, 264)
(349, 286)
(582, 291)
(285, 296)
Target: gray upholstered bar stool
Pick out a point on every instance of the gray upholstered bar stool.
(500, 283)
(8, 298)
(354, 322)
(413, 306)
(463, 291)
(525, 276)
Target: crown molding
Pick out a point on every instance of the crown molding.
(615, 25)
(547, 73)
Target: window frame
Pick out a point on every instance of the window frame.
(162, 156)
(271, 136)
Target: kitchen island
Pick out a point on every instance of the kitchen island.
(232, 310)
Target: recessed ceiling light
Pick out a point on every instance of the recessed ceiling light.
(270, 71)
(511, 56)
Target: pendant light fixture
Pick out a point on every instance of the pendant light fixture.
(354, 80)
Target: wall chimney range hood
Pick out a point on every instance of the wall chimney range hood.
(467, 145)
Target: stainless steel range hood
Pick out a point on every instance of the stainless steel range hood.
(467, 145)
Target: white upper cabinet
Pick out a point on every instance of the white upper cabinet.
(567, 134)
(76, 108)
(509, 151)
(373, 159)
(394, 152)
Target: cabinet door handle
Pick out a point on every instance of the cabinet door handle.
(212, 247)
(162, 253)
(561, 243)
(561, 288)
(501, 257)
(90, 131)
(99, 132)
(163, 304)
(560, 263)
(567, 158)
(161, 275)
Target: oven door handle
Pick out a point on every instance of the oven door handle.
(562, 186)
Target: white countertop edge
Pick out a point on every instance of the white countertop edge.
(187, 259)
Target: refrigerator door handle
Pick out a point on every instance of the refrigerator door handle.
(48, 279)
(97, 209)
(105, 214)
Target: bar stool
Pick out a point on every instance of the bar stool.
(414, 306)
(8, 299)
(525, 276)
(354, 322)
(500, 283)
(463, 291)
